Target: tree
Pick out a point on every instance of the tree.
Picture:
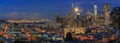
(1, 41)
(68, 36)
(115, 16)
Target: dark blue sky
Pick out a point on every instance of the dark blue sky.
(38, 9)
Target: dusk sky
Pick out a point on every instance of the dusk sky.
(38, 9)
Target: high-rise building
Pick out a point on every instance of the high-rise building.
(95, 9)
(89, 16)
(95, 13)
(59, 19)
(106, 10)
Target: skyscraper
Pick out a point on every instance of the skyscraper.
(106, 10)
(95, 9)
(95, 13)
(59, 19)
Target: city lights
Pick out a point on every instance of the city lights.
(60, 21)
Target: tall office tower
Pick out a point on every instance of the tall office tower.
(95, 12)
(95, 9)
(78, 23)
(106, 11)
(59, 19)
(88, 14)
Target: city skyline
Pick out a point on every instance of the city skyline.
(38, 9)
